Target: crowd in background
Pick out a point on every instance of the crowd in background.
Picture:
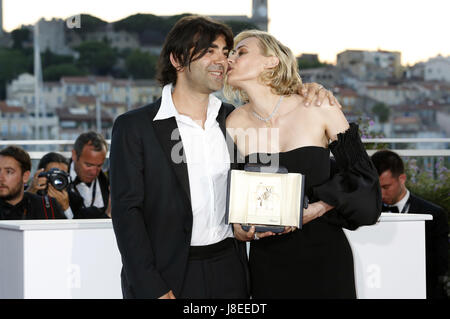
(61, 188)
(78, 188)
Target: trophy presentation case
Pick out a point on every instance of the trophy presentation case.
(266, 197)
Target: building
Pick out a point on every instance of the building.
(52, 36)
(120, 40)
(108, 89)
(443, 120)
(73, 121)
(427, 111)
(22, 89)
(259, 17)
(13, 123)
(78, 97)
(371, 65)
(16, 123)
(347, 97)
(327, 75)
(415, 72)
(406, 126)
(437, 69)
(391, 94)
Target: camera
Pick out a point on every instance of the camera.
(56, 177)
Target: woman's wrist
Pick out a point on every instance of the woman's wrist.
(324, 207)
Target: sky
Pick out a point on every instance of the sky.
(418, 29)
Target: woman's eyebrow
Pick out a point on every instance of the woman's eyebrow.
(241, 46)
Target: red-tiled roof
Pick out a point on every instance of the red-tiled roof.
(85, 99)
(64, 114)
(5, 108)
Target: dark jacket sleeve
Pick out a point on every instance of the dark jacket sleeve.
(127, 199)
(57, 209)
(436, 235)
(354, 190)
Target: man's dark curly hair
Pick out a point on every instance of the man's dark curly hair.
(385, 160)
(188, 41)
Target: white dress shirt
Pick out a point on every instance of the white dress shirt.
(401, 203)
(87, 191)
(208, 163)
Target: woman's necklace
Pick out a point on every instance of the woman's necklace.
(267, 119)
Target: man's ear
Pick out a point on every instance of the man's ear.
(175, 63)
(402, 179)
(26, 177)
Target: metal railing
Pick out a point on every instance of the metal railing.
(402, 152)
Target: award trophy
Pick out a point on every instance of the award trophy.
(266, 197)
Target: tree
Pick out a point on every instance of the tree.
(239, 26)
(55, 72)
(141, 65)
(309, 62)
(19, 36)
(96, 57)
(150, 28)
(138, 23)
(88, 24)
(49, 58)
(382, 112)
(12, 64)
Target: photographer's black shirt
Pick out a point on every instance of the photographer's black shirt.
(31, 207)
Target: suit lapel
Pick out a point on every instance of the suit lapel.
(221, 118)
(224, 111)
(168, 135)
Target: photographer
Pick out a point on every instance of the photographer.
(15, 203)
(55, 167)
(89, 188)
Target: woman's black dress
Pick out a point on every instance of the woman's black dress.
(316, 261)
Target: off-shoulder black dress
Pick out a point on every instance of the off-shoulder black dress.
(316, 261)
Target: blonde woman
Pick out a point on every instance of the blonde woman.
(316, 261)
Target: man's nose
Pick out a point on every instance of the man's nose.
(93, 170)
(222, 59)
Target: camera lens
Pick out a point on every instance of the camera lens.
(59, 184)
(59, 179)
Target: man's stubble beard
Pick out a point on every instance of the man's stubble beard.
(13, 194)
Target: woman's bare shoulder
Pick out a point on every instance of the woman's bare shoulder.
(238, 117)
(334, 119)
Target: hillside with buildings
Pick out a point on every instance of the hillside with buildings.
(111, 67)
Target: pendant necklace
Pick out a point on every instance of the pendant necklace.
(267, 119)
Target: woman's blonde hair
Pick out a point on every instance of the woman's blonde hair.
(283, 78)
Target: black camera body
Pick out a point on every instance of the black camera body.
(57, 178)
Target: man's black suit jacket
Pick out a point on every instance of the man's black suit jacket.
(151, 206)
(436, 243)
